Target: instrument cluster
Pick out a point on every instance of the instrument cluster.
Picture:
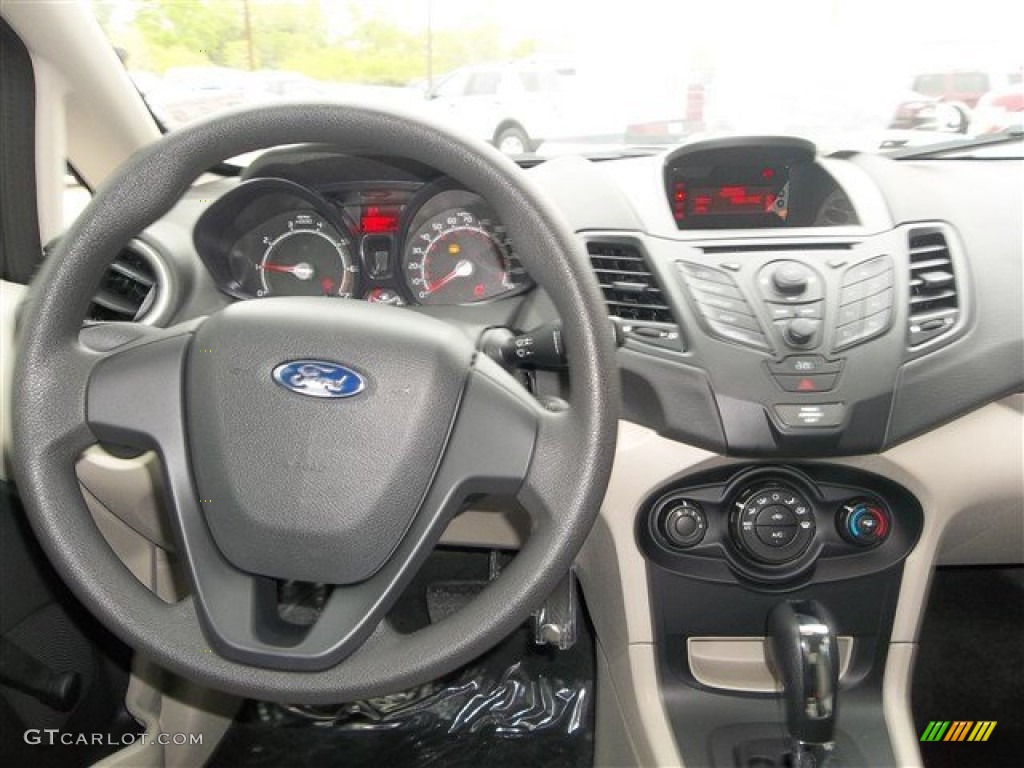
(396, 242)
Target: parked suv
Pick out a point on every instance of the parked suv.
(513, 105)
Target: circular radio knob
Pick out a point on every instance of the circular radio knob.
(801, 331)
(790, 279)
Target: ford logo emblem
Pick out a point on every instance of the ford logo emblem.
(319, 378)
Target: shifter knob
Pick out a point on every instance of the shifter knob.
(802, 652)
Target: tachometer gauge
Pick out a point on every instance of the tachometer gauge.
(304, 255)
(459, 257)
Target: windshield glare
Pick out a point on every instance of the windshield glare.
(551, 77)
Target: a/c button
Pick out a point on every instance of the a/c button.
(776, 535)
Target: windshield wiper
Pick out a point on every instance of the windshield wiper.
(959, 145)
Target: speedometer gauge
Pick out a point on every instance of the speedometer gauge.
(457, 258)
(304, 255)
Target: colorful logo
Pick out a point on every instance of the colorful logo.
(958, 730)
(319, 378)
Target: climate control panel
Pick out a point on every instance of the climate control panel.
(777, 525)
(772, 524)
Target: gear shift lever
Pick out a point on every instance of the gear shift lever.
(801, 651)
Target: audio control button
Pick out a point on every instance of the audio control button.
(801, 332)
(734, 319)
(790, 279)
(790, 282)
(700, 272)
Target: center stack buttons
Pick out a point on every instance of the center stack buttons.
(722, 306)
(865, 302)
(794, 295)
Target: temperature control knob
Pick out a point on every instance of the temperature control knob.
(863, 522)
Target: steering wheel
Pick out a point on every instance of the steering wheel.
(265, 482)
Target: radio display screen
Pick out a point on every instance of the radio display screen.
(730, 196)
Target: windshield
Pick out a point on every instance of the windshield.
(551, 77)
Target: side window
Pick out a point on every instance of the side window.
(540, 81)
(536, 81)
(483, 84)
(530, 81)
(453, 85)
(930, 85)
(970, 82)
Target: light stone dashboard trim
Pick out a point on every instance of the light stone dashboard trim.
(739, 663)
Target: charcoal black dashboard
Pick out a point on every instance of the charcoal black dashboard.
(813, 341)
(767, 338)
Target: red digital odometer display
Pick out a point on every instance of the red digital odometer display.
(379, 219)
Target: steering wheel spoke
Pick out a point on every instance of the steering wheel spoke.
(134, 394)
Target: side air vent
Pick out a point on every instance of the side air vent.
(131, 289)
(934, 301)
(633, 294)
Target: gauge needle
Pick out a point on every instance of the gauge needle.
(463, 269)
(300, 271)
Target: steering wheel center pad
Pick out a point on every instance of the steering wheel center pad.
(318, 488)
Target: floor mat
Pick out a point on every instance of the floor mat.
(970, 666)
(516, 706)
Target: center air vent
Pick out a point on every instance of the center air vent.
(131, 288)
(630, 289)
(934, 301)
(633, 295)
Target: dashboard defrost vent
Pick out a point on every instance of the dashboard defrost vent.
(934, 301)
(130, 288)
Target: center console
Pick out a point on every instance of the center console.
(724, 549)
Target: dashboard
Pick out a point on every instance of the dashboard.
(389, 240)
(835, 306)
(790, 305)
